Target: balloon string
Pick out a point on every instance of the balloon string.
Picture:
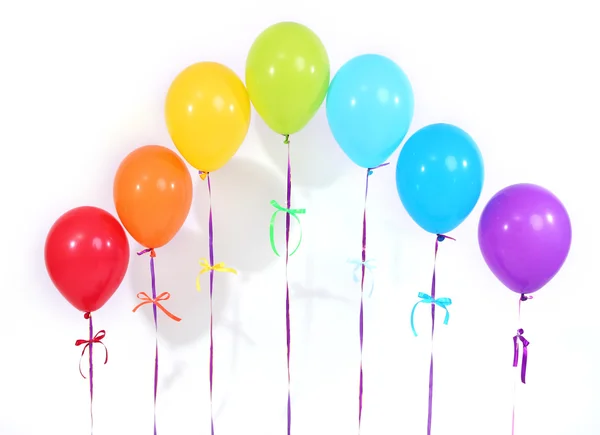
(89, 345)
(364, 269)
(211, 257)
(439, 238)
(287, 210)
(287, 285)
(154, 311)
(525, 343)
(210, 266)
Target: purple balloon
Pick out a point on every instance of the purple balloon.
(524, 236)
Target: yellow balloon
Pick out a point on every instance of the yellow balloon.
(207, 111)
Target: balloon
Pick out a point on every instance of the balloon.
(524, 236)
(370, 107)
(207, 111)
(287, 75)
(87, 254)
(439, 177)
(153, 194)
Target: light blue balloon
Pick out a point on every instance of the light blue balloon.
(439, 177)
(370, 106)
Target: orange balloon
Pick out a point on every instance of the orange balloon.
(153, 194)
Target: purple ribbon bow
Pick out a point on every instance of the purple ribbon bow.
(525, 343)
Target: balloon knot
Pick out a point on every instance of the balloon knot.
(524, 297)
(203, 175)
(286, 139)
(441, 238)
(87, 315)
(152, 253)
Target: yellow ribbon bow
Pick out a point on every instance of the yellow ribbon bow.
(206, 267)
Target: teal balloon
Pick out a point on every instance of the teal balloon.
(369, 108)
(439, 176)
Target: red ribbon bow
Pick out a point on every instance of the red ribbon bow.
(97, 339)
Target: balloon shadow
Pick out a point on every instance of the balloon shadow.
(310, 293)
(239, 337)
(176, 266)
(241, 195)
(317, 159)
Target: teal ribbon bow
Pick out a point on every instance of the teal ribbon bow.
(425, 298)
(369, 266)
(293, 213)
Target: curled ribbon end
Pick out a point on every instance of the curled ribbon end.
(370, 170)
(146, 251)
(442, 237)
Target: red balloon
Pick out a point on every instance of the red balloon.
(87, 254)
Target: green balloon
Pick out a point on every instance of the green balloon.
(287, 76)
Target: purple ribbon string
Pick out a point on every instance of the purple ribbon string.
(516, 339)
(287, 284)
(154, 311)
(91, 371)
(211, 258)
(362, 286)
(439, 238)
(89, 345)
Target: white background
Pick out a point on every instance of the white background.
(83, 83)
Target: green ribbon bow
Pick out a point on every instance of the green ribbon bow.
(293, 213)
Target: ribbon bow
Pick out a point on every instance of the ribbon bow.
(425, 298)
(98, 340)
(146, 299)
(293, 213)
(525, 343)
(206, 267)
(369, 266)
